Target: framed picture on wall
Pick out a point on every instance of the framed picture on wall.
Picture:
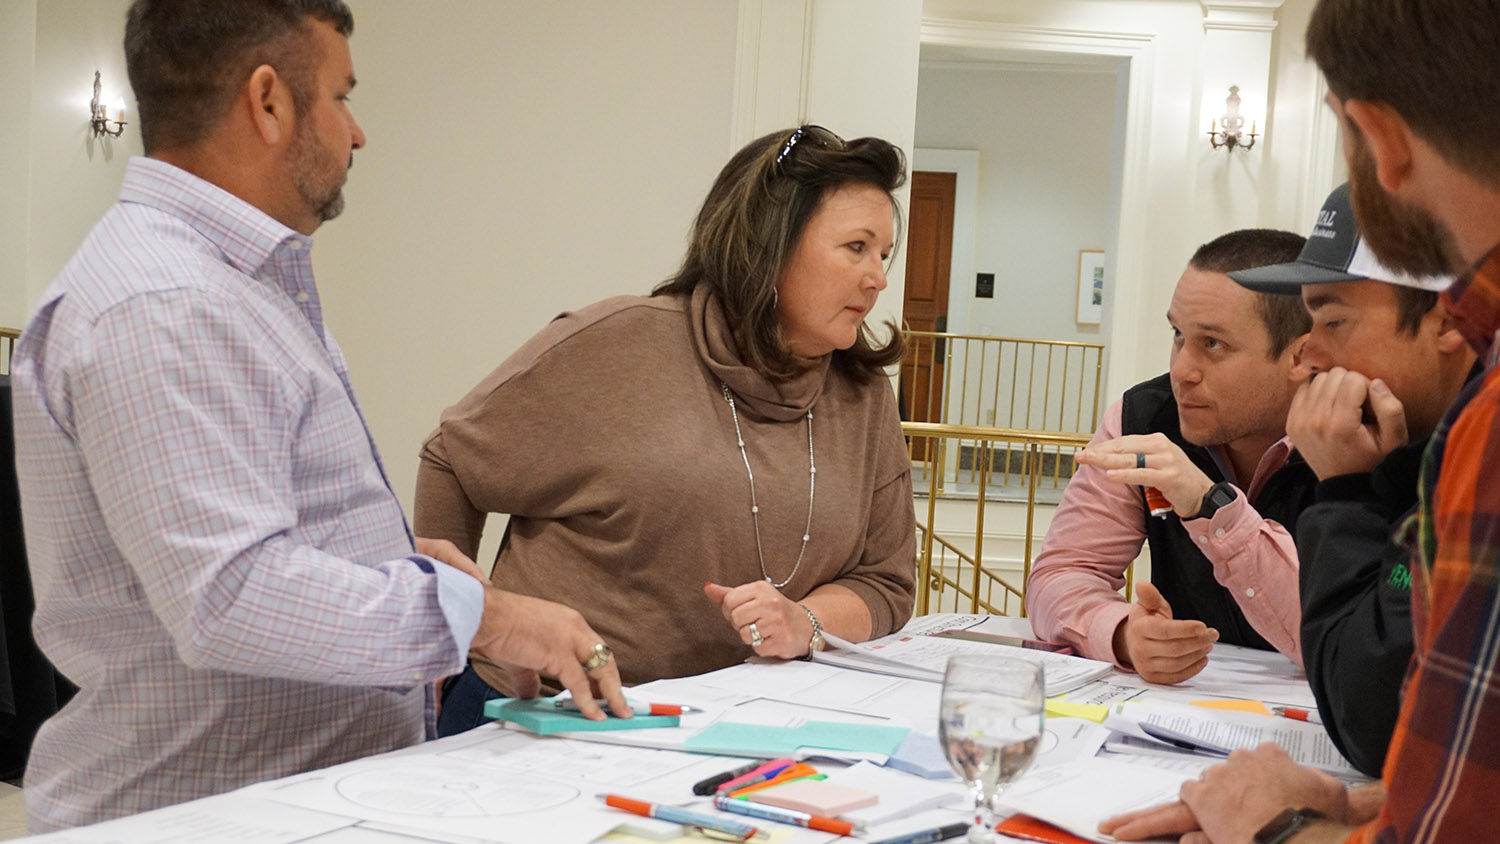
(1090, 286)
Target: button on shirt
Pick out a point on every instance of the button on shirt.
(219, 561)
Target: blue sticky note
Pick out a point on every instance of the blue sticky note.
(922, 755)
(542, 717)
(731, 738)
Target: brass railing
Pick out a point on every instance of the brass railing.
(8, 338)
(952, 576)
(1006, 382)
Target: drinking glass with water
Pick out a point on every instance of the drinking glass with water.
(991, 723)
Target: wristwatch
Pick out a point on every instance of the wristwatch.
(816, 643)
(1217, 496)
(1286, 824)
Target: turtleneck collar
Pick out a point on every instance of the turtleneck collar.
(779, 401)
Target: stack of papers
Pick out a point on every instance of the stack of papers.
(1171, 729)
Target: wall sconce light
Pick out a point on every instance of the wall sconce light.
(99, 116)
(1228, 131)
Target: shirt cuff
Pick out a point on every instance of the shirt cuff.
(1102, 625)
(461, 599)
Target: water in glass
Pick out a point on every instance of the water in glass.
(991, 722)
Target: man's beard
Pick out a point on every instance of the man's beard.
(317, 175)
(1404, 237)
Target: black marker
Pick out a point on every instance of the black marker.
(710, 785)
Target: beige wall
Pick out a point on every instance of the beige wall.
(64, 178)
(523, 159)
(17, 52)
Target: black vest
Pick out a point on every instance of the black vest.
(1178, 569)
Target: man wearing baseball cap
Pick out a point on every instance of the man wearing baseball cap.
(1385, 361)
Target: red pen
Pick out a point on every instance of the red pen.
(1308, 715)
(672, 814)
(761, 774)
(636, 707)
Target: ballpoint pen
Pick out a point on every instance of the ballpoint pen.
(927, 836)
(1309, 715)
(672, 814)
(773, 813)
(705, 787)
(635, 706)
(1182, 740)
(760, 774)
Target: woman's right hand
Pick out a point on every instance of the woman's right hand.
(784, 629)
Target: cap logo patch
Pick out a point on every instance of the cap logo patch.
(1324, 226)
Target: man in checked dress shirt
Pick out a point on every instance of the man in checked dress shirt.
(219, 561)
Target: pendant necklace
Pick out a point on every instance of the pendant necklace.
(812, 478)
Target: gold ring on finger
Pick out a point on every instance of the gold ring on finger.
(599, 656)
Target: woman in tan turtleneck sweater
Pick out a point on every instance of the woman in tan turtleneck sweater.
(716, 469)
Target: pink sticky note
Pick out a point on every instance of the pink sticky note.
(816, 796)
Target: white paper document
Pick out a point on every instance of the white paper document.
(1222, 730)
(925, 657)
(244, 820)
(1079, 795)
(1239, 672)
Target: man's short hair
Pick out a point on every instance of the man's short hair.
(1411, 305)
(1284, 316)
(188, 58)
(1433, 61)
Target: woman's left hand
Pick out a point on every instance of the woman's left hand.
(784, 628)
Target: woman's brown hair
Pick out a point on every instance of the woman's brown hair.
(749, 226)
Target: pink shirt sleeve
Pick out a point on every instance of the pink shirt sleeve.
(1097, 531)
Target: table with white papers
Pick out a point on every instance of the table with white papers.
(497, 784)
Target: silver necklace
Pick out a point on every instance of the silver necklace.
(812, 479)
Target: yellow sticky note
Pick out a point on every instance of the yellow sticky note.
(1234, 705)
(1063, 709)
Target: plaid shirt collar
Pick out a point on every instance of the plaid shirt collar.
(1474, 303)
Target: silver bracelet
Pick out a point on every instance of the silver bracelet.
(816, 643)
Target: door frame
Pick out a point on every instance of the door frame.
(1124, 308)
(964, 163)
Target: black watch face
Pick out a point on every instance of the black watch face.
(1220, 495)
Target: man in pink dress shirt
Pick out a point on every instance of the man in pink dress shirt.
(1210, 436)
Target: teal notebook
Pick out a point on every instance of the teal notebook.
(540, 716)
(759, 740)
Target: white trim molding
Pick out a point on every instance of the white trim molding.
(1240, 15)
(773, 55)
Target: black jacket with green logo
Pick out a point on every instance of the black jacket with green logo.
(1356, 602)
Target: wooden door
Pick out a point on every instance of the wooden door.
(929, 256)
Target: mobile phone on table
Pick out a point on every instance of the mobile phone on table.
(1012, 641)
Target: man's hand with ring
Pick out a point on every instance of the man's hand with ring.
(527, 636)
(1152, 460)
